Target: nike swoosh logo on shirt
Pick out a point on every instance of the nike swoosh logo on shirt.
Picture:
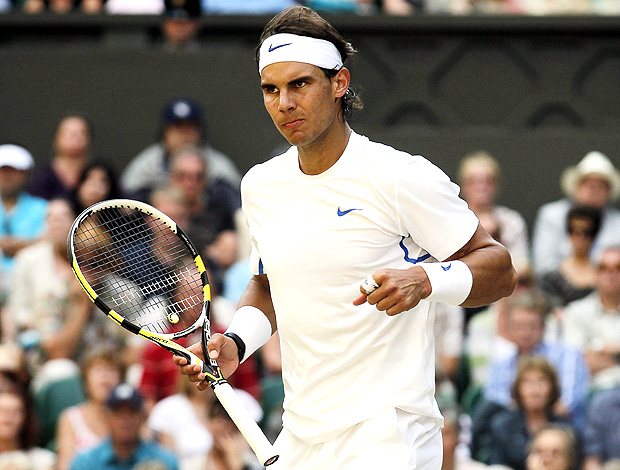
(446, 268)
(341, 212)
(273, 48)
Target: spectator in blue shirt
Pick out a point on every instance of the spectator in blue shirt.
(22, 216)
(526, 325)
(125, 450)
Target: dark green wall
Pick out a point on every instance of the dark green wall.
(538, 93)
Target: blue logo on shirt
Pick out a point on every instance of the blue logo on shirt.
(273, 48)
(446, 268)
(341, 212)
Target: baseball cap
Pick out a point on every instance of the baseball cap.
(16, 157)
(182, 109)
(125, 394)
(182, 9)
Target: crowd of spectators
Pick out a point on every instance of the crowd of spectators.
(531, 382)
(185, 13)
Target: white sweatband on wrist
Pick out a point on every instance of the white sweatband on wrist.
(286, 47)
(451, 281)
(252, 326)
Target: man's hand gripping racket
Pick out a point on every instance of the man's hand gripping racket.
(142, 271)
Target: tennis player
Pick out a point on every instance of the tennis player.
(358, 369)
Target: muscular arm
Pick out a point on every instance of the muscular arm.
(258, 294)
(494, 277)
(491, 267)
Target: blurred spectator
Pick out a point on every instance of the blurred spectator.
(576, 276)
(18, 434)
(592, 182)
(212, 204)
(48, 305)
(229, 451)
(134, 7)
(97, 182)
(83, 427)
(11, 366)
(592, 324)
(535, 391)
(125, 448)
(479, 178)
(602, 437)
(401, 7)
(181, 25)
(181, 125)
(179, 422)
(22, 216)
(448, 339)
(245, 7)
(526, 325)
(554, 447)
(59, 177)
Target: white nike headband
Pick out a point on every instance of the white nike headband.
(286, 47)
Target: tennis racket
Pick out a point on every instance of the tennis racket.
(141, 270)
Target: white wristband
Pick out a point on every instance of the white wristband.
(451, 281)
(252, 326)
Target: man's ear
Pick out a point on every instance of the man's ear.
(341, 82)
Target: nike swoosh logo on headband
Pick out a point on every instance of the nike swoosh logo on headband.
(273, 48)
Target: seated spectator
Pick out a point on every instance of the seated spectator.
(212, 205)
(59, 177)
(602, 437)
(592, 182)
(181, 125)
(22, 216)
(125, 447)
(576, 276)
(245, 7)
(592, 324)
(134, 7)
(18, 434)
(554, 447)
(47, 304)
(535, 392)
(181, 25)
(229, 451)
(479, 178)
(179, 422)
(97, 182)
(526, 325)
(83, 427)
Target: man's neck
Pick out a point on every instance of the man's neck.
(610, 301)
(322, 154)
(124, 451)
(9, 201)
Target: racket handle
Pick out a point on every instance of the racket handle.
(243, 420)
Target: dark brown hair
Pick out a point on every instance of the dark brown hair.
(527, 364)
(304, 21)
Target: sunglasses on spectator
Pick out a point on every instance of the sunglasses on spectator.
(609, 267)
(579, 231)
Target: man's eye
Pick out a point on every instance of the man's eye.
(300, 84)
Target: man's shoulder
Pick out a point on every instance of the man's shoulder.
(554, 208)
(606, 400)
(93, 458)
(155, 151)
(584, 306)
(151, 450)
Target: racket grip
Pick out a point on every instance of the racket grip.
(245, 423)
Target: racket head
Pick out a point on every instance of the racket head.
(138, 266)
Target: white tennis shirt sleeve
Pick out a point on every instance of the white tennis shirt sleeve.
(316, 238)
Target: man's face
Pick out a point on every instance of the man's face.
(593, 190)
(608, 274)
(125, 424)
(301, 100)
(526, 327)
(188, 172)
(12, 181)
(73, 137)
(180, 134)
(549, 451)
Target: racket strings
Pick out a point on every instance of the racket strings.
(141, 269)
